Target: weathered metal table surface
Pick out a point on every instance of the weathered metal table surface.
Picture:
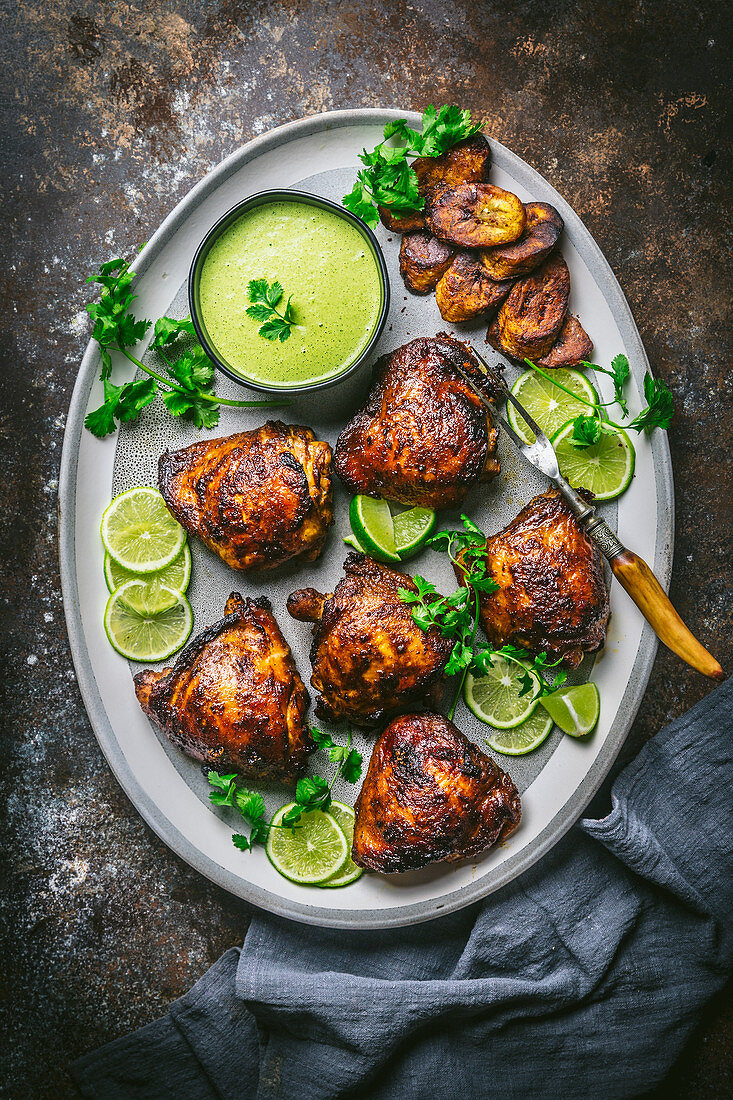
(111, 112)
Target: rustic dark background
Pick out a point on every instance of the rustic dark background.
(111, 112)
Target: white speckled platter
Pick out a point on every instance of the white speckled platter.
(557, 781)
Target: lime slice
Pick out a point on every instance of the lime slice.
(371, 522)
(495, 698)
(344, 816)
(523, 738)
(412, 529)
(549, 406)
(146, 637)
(312, 851)
(606, 467)
(175, 576)
(139, 532)
(574, 709)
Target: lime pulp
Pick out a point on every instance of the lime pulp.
(495, 697)
(344, 816)
(314, 850)
(143, 636)
(176, 576)
(372, 524)
(548, 405)
(139, 532)
(525, 737)
(574, 709)
(412, 528)
(605, 468)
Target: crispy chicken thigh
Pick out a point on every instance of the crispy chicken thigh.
(423, 436)
(553, 596)
(257, 498)
(430, 795)
(234, 698)
(369, 657)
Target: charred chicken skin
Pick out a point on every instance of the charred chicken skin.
(234, 698)
(369, 657)
(423, 436)
(430, 795)
(257, 498)
(552, 595)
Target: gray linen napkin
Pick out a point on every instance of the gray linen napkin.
(583, 978)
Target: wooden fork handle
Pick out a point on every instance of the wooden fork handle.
(633, 574)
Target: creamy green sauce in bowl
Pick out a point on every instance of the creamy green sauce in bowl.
(323, 258)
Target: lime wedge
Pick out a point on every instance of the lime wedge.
(523, 738)
(352, 540)
(606, 467)
(371, 522)
(549, 406)
(344, 817)
(144, 636)
(139, 532)
(412, 529)
(495, 697)
(176, 576)
(574, 709)
(312, 851)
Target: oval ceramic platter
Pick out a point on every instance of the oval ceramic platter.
(557, 781)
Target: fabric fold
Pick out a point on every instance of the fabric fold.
(582, 978)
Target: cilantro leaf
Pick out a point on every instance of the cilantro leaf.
(586, 431)
(168, 329)
(101, 421)
(134, 396)
(660, 406)
(266, 297)
(240, 841)
(352, 766)
(387, 178)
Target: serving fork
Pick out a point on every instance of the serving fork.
(630, 570)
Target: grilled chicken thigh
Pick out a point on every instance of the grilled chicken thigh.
(369, 657)
(234, 698)
(430, 795)
(423, 436)
(257, 498)
(552, 596)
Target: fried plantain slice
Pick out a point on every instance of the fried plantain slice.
(530, 319)
(423, 259)
(408, 222)
(466, 291)
(541, 234)
(475, 215)
(573, 346)
(468, 161)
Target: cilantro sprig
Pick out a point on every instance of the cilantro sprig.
(387, 178)
(187, 391)
(266, 298)
(456, 616)
(587, 428)
(311, 793)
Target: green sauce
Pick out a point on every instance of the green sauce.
(318, 257)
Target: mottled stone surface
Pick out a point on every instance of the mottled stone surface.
(110, 113)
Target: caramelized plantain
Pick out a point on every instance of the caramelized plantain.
(475, 215)
(573, 346)
(401, 223)
(530, 319)
(466, 291)
(423, 259)
(468, 161)
(541, 234)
